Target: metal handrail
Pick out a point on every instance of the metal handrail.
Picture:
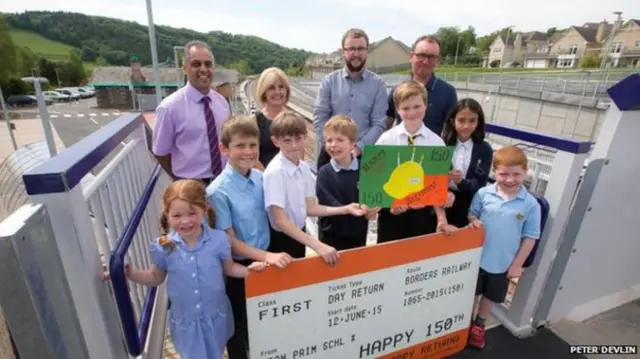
(135, 335)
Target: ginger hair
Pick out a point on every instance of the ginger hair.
(191, 191)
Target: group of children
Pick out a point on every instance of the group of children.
(246, 219)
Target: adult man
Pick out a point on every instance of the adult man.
(442, 96)
(189, 121)
(352, 91)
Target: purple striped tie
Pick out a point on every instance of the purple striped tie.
(216, 163)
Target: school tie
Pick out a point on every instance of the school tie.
(212, 133)
(412, 139)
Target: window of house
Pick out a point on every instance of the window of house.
(565, 63)
(616, 47)
(573, 49)
(638, 43)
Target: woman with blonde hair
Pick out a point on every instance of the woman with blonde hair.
(272, 95)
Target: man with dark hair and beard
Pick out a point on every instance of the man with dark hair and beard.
(352, 91)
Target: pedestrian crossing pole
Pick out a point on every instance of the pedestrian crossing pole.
(44, 115)
(154, 53)
(44, 118)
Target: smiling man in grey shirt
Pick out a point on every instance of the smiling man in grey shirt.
(353, 91)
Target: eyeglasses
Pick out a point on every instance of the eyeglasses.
(197, 63)
(354, 49)
(423, 56)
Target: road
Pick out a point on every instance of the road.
(74, 121)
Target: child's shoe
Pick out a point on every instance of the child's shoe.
(476, 336)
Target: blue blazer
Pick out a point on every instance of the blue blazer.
(479, 168)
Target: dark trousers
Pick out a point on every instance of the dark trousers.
(281, 242)
(238, 344)
(458, 213)
(341, 243)
(412, 223)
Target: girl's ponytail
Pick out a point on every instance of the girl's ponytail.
(164, 240)
(211, 217)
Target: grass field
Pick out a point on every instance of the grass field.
(49, 49)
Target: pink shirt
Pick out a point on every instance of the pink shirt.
(181, 131)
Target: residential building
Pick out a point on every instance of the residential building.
(509, 50)
(386, 55)
(625, 45)
(589, 41)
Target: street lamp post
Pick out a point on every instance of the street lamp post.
(7, 120)
(455, 62)
(607, 48)
(154, 53)
(176, 56)
(506, 43)
(44, 114)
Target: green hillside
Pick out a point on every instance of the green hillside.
(113, 41)
(49, 49)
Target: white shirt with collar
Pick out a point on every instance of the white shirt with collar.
(399, 136)
(288, 186)
(461, 159)
(353, 165)
(462, 156)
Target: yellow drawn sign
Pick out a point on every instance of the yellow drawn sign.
(421, 180)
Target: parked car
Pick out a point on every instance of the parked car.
(25, 100)
(85, 93)
(72, 94)
(56, 96)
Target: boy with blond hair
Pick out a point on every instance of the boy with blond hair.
(510, 216)
(337, 185)
(402, 222)
(290, 192)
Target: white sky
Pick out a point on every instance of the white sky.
(317, 25)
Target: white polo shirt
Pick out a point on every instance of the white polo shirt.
(288, 186)
(399, 136)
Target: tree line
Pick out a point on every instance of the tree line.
(18, 61)
(108, 41)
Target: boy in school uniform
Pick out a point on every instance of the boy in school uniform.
(337, 185)
(402, 222)
(237, 197)
(290, 192)
(510, 216)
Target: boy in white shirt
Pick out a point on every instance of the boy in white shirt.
(402, 222)
(290, 192)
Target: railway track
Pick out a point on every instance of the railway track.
(310, 144)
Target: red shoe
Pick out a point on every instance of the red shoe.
(476, 336)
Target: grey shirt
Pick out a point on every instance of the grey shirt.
(363, 99)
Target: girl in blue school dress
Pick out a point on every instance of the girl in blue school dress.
(195, 257)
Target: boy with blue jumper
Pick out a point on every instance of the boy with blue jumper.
(337, 185)
(290, 192)
(237, 197)
(510, 216)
